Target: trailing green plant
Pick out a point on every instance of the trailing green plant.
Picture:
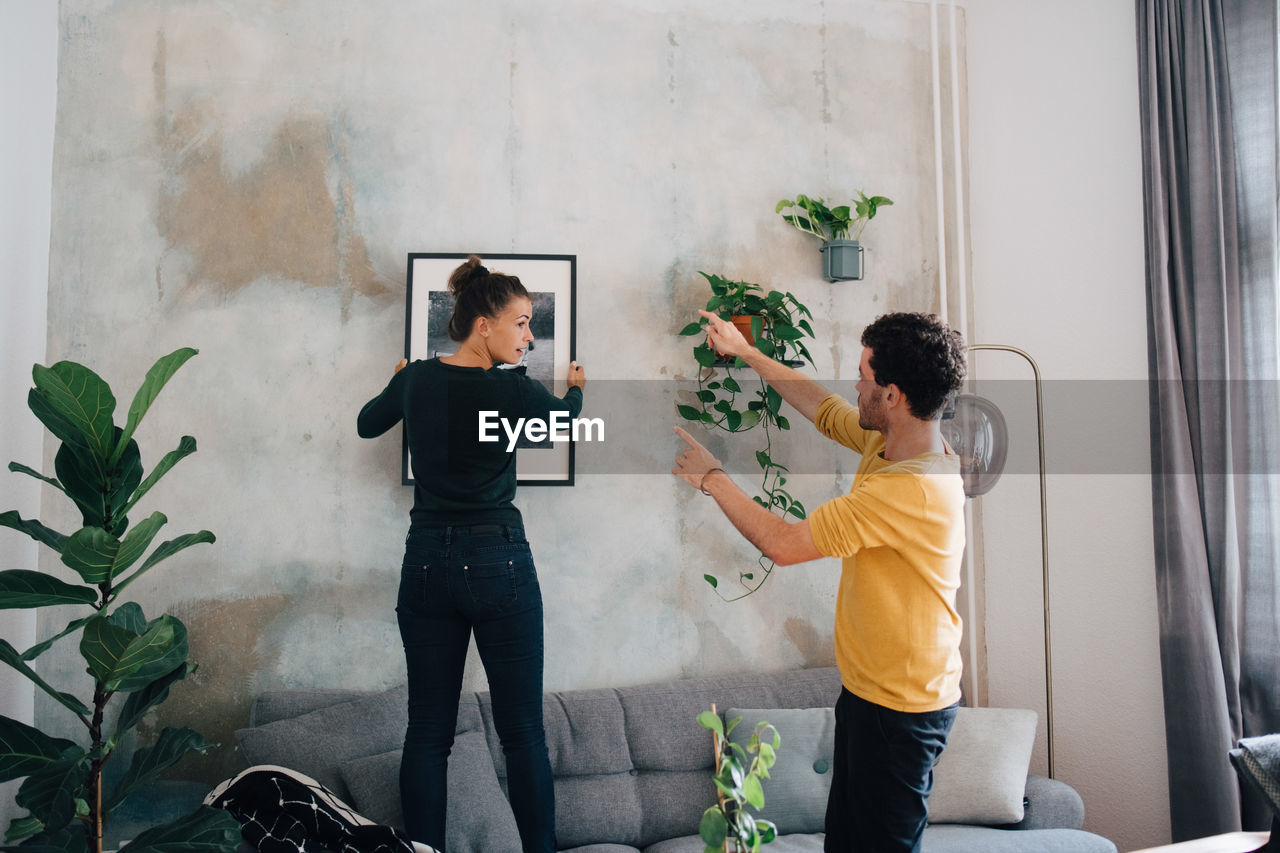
(98, 466)
(845, 222)
(779, 324)
(730, 826)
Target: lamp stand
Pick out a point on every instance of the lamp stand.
(1044, 537)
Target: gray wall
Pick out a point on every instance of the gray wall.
(248, 179)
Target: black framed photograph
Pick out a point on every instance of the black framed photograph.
(552, 282)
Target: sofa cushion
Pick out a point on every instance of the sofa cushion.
(583, 729)
(318, 743)
(795, 794)
(956, 838)
(662, 726)
(596, 809)
(981, 776)
(1257, 759)
(673, 803)
(479, 817)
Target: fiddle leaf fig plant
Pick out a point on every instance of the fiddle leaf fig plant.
(844, 222)
(127, 656)
(779, 325)
(731, 825)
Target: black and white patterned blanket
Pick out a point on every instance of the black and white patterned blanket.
(283, 811)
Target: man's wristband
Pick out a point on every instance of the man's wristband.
(704, 479)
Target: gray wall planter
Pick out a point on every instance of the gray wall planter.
(842, 260)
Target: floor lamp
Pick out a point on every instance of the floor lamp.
(977, 432)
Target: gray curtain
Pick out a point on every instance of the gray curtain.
(1208, 92)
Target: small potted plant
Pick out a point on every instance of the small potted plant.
(839, 229)
(730, 826)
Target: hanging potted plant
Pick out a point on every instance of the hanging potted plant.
(839, 229)
(740, 301)
(778, 324)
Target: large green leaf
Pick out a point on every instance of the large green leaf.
(126, 474)
(164, 551)
(23, 827)
(91, 552)
(713, 828)
(206, 830)
(84, 481)
(31, 472)
(130, 617)
(138, 703)
(102, 495)
(37, 531)
(123, 661)
(25, 749)
(50, 792)
(97, 556)
(9, 655)
(44, 645)
(159, 374)
(753, 791)
(186, 446)
(150, 762)
(76, 405)
(69, 839)
(20, 589)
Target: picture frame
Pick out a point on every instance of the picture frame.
(552, 284)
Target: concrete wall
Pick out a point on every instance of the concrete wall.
(28, 71)
(248, 181)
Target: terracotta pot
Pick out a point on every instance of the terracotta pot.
(743, 322)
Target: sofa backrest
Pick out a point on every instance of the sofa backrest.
(632, 765)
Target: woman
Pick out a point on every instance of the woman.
(467, 564)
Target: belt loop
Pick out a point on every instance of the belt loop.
(506, 531)
(448, 536)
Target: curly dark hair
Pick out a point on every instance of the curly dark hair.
(921, 355)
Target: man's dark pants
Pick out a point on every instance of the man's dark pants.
(881, 776)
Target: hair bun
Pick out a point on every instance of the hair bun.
(479, 271)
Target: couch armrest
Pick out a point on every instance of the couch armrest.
(1050, 804)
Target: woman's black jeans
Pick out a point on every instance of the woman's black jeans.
(456, 580)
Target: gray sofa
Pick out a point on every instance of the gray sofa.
(633, 767)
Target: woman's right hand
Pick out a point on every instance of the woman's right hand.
(577, 376)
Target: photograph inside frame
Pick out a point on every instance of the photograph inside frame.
(551, 281)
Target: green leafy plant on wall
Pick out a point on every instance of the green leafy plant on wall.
(98, 466)
(729, 826)
(843, 222)
(779, 325)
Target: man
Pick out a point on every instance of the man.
(900, 532)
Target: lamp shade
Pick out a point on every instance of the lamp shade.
(978, 434)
